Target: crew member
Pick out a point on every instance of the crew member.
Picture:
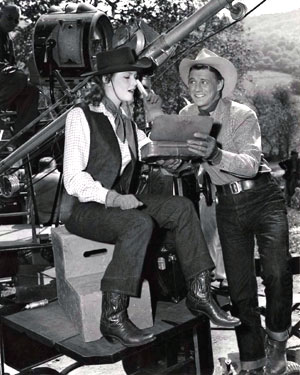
(291, 167)
(16, 92)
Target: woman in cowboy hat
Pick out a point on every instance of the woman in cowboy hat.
(250, 206)
(102, 147)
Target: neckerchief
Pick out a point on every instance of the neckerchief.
(123, 123)
(211, 108)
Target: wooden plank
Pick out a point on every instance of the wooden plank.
(47, 324)
(50, 326)
(19, 234)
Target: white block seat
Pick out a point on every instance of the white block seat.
(80, 264)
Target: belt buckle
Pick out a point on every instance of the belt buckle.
(235, 187)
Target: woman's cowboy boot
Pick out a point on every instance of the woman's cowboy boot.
(115, 324)
(200, 300)
(276, 356)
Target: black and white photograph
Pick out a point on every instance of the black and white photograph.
(150, 187)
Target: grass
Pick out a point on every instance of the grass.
(265, 81)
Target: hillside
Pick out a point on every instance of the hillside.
(274, 40)
(265, 81)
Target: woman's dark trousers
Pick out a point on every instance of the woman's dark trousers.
(131, 231)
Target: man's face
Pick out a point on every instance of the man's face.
(9, 19)
(204, 87)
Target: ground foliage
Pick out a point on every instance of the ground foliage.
(278, 121)
(275, 38)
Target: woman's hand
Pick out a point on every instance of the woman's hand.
(152, 106)
(124, 202)
(127, 201)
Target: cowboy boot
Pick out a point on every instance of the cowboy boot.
(116, 325)
(276, 356)
(200, 300)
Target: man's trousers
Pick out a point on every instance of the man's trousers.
(256, 216)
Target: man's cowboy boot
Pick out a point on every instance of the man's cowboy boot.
(276, 356)
(200, 300)
(257, 371)
(115, 324)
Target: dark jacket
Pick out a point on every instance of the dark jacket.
(7, 55)
(287, 165)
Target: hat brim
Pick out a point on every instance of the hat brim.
(144, 64)
(222, 65)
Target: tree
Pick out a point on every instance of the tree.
(276, 116)
(295, 87)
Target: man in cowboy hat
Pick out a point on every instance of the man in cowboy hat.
(250, 206)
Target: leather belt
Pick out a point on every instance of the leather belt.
(243, 185)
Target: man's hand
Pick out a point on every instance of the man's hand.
(124, 202)
(152, 106)
(206, 147)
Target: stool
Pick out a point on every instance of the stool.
(80, 265)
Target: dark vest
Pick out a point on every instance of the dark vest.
(104, 163)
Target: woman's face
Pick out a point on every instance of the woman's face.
(122, 86)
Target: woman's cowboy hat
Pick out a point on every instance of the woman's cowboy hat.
(121, 59)
(222, 65)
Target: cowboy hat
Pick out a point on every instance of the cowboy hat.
(222, 65)
(122, 59)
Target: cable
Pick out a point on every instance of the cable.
(205, 39)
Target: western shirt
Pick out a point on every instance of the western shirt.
(239, 139)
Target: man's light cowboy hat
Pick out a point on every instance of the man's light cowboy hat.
(222, 65)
